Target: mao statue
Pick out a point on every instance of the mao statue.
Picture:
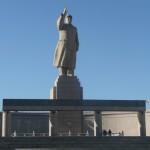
(67, 46)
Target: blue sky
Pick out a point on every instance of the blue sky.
(113, 61)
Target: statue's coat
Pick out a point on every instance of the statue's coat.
(65, 52)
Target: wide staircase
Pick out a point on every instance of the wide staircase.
(75, 143)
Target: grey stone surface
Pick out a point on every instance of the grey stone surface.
(67, 123)
(77, 143)
(36, 148)
(72, 104)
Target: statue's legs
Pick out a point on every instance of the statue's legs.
(62, 71)
(70, 72)
(65, 71)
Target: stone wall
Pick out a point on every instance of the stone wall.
(124, 121)
(121, 121)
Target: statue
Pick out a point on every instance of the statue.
(67, 46)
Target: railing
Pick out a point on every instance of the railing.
(29, 134)
(70, 134)
(114, 134)
(117, 134)
(33, 134)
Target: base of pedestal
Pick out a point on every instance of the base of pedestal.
(66, 122)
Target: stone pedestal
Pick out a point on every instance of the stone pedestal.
(63, 122)
(66, 87)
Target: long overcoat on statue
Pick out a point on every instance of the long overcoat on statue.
(68, 44)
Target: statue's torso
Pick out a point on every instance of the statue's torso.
(68, 33)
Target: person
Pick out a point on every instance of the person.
(122, 133)
(67, 46)
(104, 133)
(109, 132)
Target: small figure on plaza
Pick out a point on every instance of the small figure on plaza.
(104, 133)
(109, 132)
(67, 46)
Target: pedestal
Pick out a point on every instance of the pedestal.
(67, 87)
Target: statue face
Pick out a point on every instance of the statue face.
(68, 20)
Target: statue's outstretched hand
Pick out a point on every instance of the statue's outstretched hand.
(65, 11)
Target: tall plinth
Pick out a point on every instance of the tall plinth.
(66, 87)
(66, 122)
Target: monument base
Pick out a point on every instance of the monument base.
(66, 122)
(66, 87)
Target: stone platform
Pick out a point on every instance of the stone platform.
(75, 143)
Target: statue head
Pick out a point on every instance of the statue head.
(68, 19)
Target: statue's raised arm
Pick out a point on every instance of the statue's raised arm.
(67, 46)
(60, 21)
